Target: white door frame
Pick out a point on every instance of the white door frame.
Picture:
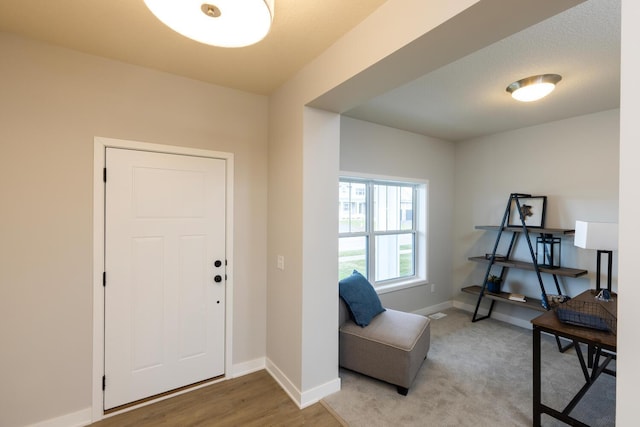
(100, 145)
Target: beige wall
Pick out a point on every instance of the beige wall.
(374, 149)
(284, 296)
(574, 162)
(52, 103)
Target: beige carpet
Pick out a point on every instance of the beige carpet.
(476, 374)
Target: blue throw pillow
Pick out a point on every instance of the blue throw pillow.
(361, 298)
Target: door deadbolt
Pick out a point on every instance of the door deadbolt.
(217, 263)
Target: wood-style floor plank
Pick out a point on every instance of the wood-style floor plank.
(251, 400)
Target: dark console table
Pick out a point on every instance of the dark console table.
(602, 349)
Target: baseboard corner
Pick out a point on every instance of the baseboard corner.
(248, 367)
(434, 308)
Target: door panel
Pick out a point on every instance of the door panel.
(164, 312)
(192, 297)
(147, 304)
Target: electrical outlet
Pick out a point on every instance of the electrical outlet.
(433, 287)
(280, 262)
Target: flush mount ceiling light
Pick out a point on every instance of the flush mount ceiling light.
(534, 87)
(224, 23)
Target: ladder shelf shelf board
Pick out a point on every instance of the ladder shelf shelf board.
(532, 230)
(522, 265)
(531, 303)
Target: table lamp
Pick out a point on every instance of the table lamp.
(601, 236)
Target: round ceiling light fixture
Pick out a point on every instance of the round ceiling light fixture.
(224, 23)
(534, 87)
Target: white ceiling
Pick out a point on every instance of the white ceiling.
(462, 100)
(468, 97)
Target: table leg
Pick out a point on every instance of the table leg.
(537, 391)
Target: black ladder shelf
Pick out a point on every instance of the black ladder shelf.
(505, 264)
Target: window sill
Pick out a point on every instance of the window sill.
(397, 286)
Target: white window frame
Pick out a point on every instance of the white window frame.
(420, 231)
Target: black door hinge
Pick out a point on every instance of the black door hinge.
(104, 279)
(104, 382)
(104, 174)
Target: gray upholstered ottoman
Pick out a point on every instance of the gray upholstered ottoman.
(391, 348)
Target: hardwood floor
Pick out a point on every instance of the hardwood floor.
(251, 400)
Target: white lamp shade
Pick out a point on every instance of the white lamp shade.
(596, 235)
(235, 23)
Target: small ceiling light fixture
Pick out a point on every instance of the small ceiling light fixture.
(224, 23)
(534, 87)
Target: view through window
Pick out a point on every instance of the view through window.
(378, 229)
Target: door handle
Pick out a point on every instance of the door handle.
(217, 278)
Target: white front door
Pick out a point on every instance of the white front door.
(165, 272)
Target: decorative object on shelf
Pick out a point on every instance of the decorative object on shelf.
(496, 257)
(533, 212)
(604, 295)
(493, 283)
(548, 250)
(517, 297)
(601, 236)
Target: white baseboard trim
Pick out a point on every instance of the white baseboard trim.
(434, 308)
(284, 382)
(245, 368)
(74, 419)
(316, 394)
(302, 399)
(523, 323)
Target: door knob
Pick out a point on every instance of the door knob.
(217, 279)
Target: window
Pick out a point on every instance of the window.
(381, 234)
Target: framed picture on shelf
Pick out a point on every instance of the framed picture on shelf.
(533, 210)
